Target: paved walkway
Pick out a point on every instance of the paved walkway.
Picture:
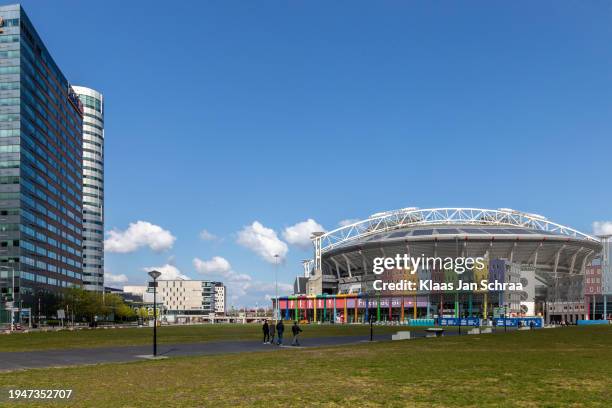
(19, 360)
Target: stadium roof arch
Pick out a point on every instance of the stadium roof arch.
(454, 223)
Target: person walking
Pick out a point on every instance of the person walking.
(266, 332)
(295, 330)
(280, 329)
(272, 330)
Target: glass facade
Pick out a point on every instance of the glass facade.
(93, 187)
(40, 167)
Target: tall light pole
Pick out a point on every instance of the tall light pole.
(154, 275)
(276, 314)
(13, 298)
(505, 322)
(606, 272)
(315, 237)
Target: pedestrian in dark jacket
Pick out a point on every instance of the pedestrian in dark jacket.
(266, 332)
(280, 329)
(272, 330)
(295, 330)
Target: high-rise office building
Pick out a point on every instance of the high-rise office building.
(220, 298)
(93, 187)
(40, 167)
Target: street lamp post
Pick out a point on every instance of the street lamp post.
(276, 307)
(13, 299)
(154, 275)
(505, 323)
(459, 314)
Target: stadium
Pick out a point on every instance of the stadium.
(547, 258)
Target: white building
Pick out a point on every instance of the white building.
(192, 297)
(93, 187)
(135, 290)
(220, 298)
(185, 297)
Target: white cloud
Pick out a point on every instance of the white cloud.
(139, 234)
(168, 272)
(216, 265)
(299, 234)
(219, 266)
(263, 241)
(250, 292)
(348, 221)
(283, 288)
(206, 235)
(602, 228)
(110, 279)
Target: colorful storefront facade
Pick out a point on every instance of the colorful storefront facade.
(361, 308)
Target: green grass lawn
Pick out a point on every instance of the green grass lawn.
(166, 335)
(544, 368)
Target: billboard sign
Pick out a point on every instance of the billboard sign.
(514, 321)
(459, 321)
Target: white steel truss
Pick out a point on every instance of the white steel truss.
(411, 217)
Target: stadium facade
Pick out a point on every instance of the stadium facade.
(549, 260)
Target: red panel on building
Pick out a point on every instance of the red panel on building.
(592, 280)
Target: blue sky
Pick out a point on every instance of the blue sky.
(223, 113)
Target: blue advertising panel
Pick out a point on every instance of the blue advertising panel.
(514, 321)
(500, 321)
(459, 321)
(537, 321)
(591, 322)
(447, 321)
(421, 322)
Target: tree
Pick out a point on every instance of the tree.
(123, 311)
(86, 305)
(143, 312)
